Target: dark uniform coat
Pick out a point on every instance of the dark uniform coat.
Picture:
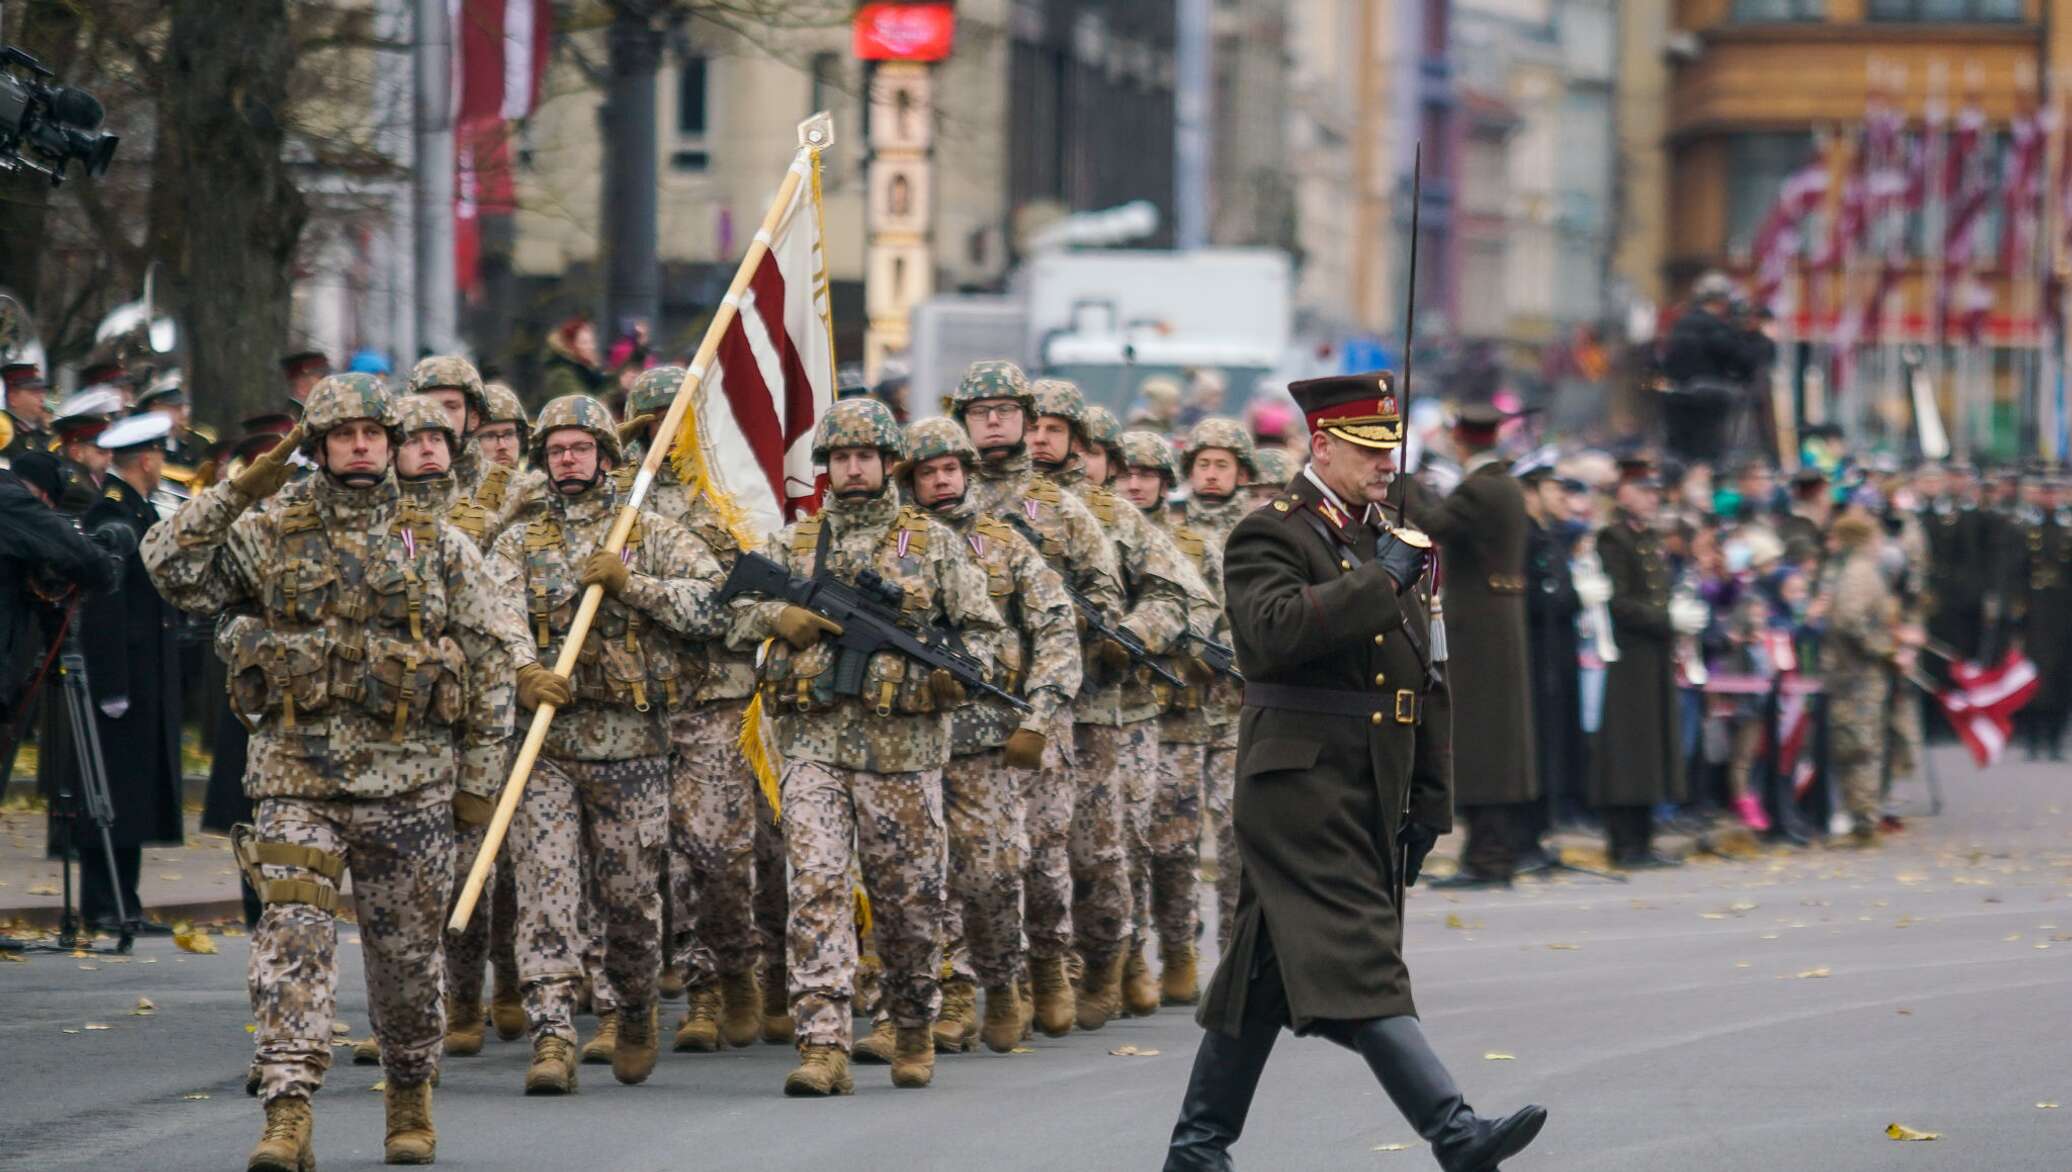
(1321, 795)
(1480, 530)
(2044, 612)
(1639, 754)
(130, 637)
(1551, 606)
(1962, 557)
(17, 437)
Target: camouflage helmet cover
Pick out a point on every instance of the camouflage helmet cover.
(504, 406)
(1221, 431)
(1056, 396)
(1276, 466)
(578, 411)
(993, 378)
(449, 372)
(654, 390)
(939, 436)
(415, 413)
(1101, 426)
(342, 398)
(858, 423)
(1148, 449)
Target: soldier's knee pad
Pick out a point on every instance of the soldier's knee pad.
(314, 881)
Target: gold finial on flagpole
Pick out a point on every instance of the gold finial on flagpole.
(818, 132)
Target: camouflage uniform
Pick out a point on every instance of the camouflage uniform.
(1214, 520)
(1116, 732)
(1074, 545)
(858, 786)
(981, 798)
(601, 784)
(375, 681)
(1856, 656)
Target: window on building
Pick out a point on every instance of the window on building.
(1756, 11)
(1757, 165)
(1945, 10)
(693, 114)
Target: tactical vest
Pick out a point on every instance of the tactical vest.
(626, 660)
(992, 543)
(343, 633)
(803, 681)
(1195, 548)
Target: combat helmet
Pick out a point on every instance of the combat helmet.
(1101, 427)
(1276, 466)
(993, 378)
(939, 436)
(1148, 449)
(415, 413)
(442, 372)
(342, 398)
(1221, 431)
(1056, 396)
(859, 423)
(504, 407)
(653, 391)
(579, 411)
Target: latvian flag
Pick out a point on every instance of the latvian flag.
(1981, 703)
(749, 434)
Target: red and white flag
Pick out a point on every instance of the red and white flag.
(1981, 703)
(500, 56)
(750, 432)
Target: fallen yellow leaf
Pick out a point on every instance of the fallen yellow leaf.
(1132, 1052)
(1453, 920)
(340, 1029)
(1391, 1147)
(196, 1097)
(1495, 1056)
(381, 1084)
(43, 889)
(95, 1025)
(88, 968)
(2046, 1106)
(145, 1007)
(251, 1027)
(1901, 1131)
(1815, 974)
(1564, 947)
(1021, 1050)
(195, 940)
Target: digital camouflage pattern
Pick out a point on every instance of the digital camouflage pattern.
(1106, 758)
(859, 423)
(342, 398)
(890, 826)
(1277, 466)
(1215, 520)
(654, 390)
(712, 831)
(634, 665)
(940, 586)
(1855, 659)
(614, 815)
(993, 378)
(577, 411)
(399, 852)
(1102, 427)
(502, 405)
(442, 372)
(982, 809)
(415, 413)
(1160, 592)
(381, 649)
(1148, 449)
(1061, 398)
(1047, 803)
(1221, 431)
(1165, 864)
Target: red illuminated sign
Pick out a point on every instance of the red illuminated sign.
(905, 32)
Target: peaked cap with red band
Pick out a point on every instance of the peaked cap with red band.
(1357, 408)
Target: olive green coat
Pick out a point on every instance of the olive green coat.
(1638, 756)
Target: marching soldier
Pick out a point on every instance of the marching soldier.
(992, 749)
(375, 683)
(1168, 869)
(713, 791)
(25, 424)
(1481, 530)
(1343, 771)
(1226, 474)
(1116, 729)
(994, 404)
(1638, 760)
(601, 785)
(862, 782)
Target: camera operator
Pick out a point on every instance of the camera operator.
(43, 557)
(1713, 356)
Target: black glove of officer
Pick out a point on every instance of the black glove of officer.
(1403, 562)
(116, 539)
(1415, 840)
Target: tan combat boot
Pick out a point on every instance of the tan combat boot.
(700, 1029)
(553, 1069)
(740, 1012)
(913, 1061)
(463, 1028)
(878, 1046)
(284, 1145)
(776, 1010)
(1054, 996)
(366, 1051)
(1025, 998)
(956, 1025)
(252, 1079)
(507, 1013)
(672, 983)
(633, 1058)
(1177, 984)
(598, 1050)
(822, 1070)
(1100, 993)
(1139, 991)
(411, 1137)
(1004, 1020)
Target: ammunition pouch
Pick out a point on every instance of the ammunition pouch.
(319, 891)
(285, 675)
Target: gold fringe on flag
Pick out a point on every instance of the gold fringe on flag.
(762, 756)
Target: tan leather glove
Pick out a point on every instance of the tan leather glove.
(606, 569)
(802, 628)
(1113, 656)
(1024, 749)
(1195, 672)
(539, 685)
(472, 809)
(269, 470)
(631, 429)
(948, 692)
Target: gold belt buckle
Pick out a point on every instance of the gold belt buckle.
(1406, 706)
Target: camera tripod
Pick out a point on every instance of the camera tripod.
(91, 798)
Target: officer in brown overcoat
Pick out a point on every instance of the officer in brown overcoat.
(1480, 528)
(1343, 769)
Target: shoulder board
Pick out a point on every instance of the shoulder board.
(542, 533)
(113, 494)
(915, 524)
(1191, 543)
(299, 516)
(495, 482)
(1286, 506)
(1044, 489)
(804, 537)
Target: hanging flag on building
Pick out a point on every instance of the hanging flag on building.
(500, 58)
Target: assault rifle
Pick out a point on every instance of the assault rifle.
(1221, 659)
(1090, 615)
(869, 615)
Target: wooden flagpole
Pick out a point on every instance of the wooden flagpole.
(815, 135)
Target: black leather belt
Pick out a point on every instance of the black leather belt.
(1400, 705)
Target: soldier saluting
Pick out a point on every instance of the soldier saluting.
(1343, 772)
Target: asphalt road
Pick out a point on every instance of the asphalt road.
(1773, 1014)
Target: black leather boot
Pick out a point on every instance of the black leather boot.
(1219, 1096)
(1422, 1089)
